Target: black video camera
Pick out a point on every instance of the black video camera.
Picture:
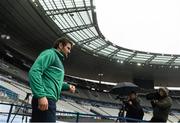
(153, 96)
(125, 101)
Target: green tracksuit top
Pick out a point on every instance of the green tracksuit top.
(46, 75)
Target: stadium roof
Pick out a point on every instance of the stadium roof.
(28, 27)
(77, 19)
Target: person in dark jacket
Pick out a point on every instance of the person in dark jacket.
(46, 78)
(133, 107)
(161, 107)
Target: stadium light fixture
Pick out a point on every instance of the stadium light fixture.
(138, 64)
(95, 55)
(100, 77)
(100, 74)
(105, 91)
(26, 65)
(8, 37)
(8, 54)
(5, 65)
(176, 67)
(93, 89)
(169, 88)
(4, 36)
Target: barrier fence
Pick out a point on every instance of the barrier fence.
(22, 112)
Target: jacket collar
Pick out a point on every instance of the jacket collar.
(60, 54)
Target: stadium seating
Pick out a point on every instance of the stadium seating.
(4, 92)
(87, 101)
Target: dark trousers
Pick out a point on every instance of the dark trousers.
(43, 116)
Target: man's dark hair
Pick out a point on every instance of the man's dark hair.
(133, 92)
(63, 40)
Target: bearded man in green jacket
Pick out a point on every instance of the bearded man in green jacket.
(46, 78)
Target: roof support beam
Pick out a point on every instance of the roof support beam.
(100, 48)
(113, 53)
(130, 57)
(88, 40)
(171, 60)
(76, 28)
(150, 59)
(51, 12)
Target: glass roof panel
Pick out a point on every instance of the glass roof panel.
(85, 33)
(68, 3)
(59, 3)
(143, 55)
(89, 47)
(137, 60)
(110, 49)
(78, 35)
(73, 37)
(93, 30)
(158, 62)
(104, 52)
(162, 58)
(90, 16)
(126, 52)
(85, 17)
(99, 42)
(62, 22)
(176, 61)
(119, 57)
(46, 4)
(43, 4)
(81, 2)
(93, 46)
(95, 43)
(122, 55)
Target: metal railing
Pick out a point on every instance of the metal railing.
(24, 111)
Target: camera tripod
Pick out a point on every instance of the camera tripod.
(23, 105)
(121, 114)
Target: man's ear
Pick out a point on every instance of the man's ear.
(60, 46)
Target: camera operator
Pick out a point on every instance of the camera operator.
(133, 107)
(161, 106)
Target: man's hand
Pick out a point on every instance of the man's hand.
(72, 89)
(43, 104)
(154, 102)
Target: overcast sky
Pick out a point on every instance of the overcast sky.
(146, 25)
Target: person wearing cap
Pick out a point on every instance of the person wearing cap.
(133, 108)
(46, 78)
(161, 107)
